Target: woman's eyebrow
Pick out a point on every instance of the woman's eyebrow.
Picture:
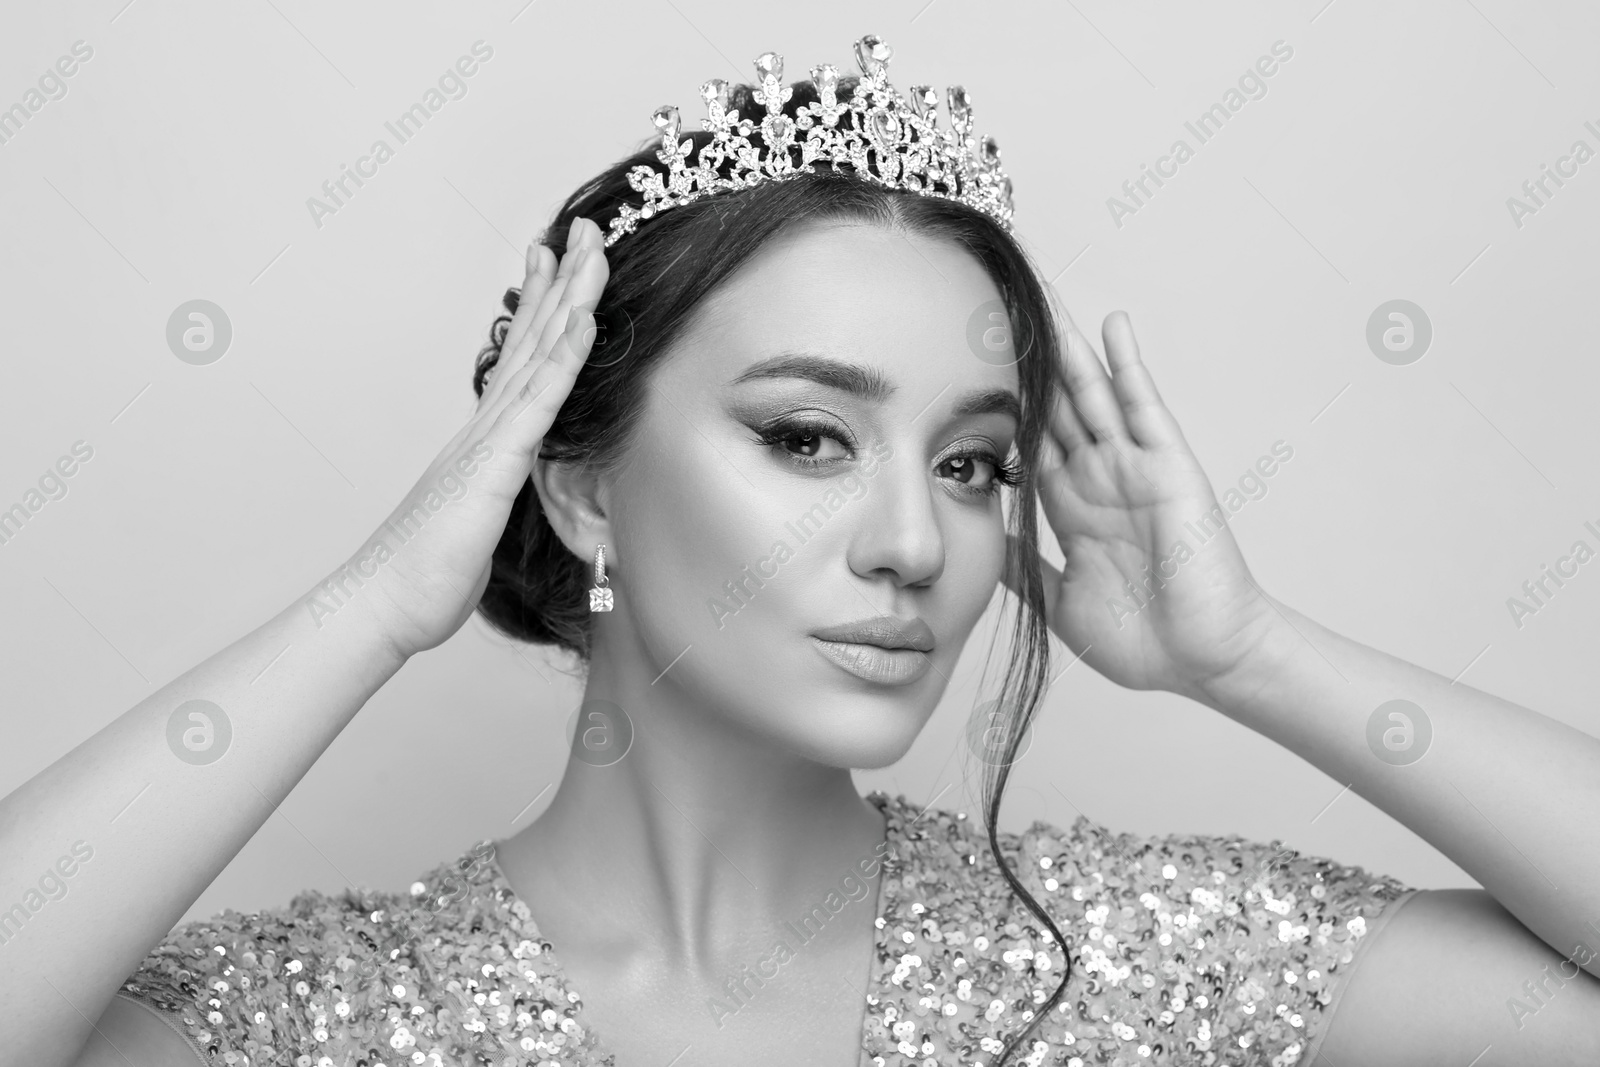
(868, 383)
(864, 382)
(989, 401)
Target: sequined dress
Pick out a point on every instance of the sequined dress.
(1184, 950)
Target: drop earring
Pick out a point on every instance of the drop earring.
(600, 595)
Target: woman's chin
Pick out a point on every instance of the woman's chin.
(863, 744)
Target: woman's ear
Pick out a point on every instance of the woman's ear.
(572, 496)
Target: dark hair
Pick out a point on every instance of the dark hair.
(660, 275)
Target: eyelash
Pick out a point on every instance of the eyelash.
(1006, 472)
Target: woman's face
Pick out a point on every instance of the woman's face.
(820, 448)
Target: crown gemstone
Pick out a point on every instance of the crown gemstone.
(769, 65)
(715, 91)
(666, 120)
(825, 77)
(924, 100)
(991, 151)
(960, 108)
(872, 54)
(885, 126)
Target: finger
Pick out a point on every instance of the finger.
(542, 387)
(1146, 416)
(582, 291)
(1056, 492)
(584, 240)
(584, 287)
(541, 272)
(1088, 387)
(1052, 455)
(514, 357)
(555, 320)
(1067, 429)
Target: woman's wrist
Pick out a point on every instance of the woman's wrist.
(351, 601)
(1273, 642)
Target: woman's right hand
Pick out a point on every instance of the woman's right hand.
(438, 562)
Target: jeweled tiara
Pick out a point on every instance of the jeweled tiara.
(886, 141)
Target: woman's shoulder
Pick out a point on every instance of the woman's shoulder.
(362, 972)
(1084, 858)
(1213, 940)
(259, 948)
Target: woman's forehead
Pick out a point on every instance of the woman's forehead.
(902, 304)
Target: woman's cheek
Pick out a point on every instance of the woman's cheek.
(717, 530)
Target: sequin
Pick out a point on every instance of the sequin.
(1182, 950)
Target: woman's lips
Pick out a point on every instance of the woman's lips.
(873, 663)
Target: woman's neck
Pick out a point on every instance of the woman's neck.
(690, 847)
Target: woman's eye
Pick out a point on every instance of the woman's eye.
(969, 470)
(809, 444)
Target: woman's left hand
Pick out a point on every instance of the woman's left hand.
(1129, 503)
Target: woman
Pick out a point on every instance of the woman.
(766, 513)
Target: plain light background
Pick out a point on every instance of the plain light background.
(1376, 167)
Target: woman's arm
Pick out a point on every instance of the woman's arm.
(1453, 980)
(1508, 974)
(1510, 795)
(1154, 594)
(158, 829)
(103, 851)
